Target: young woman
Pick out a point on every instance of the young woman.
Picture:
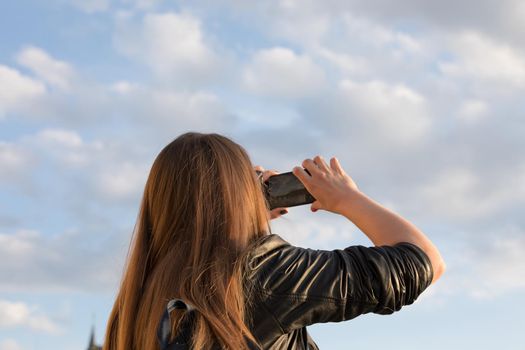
(206, 272)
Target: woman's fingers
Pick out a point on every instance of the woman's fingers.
(302, 175)
(268, 173)
(259, 170)
(265, 174)
(319, 161)
(315, 206)
(277, 212)
(312, 168)
(326, 182)
(336, 166)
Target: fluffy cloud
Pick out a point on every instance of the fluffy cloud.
(107, 171)
(125, 180)
(398, 111)
(480, 58)
(503, 21)
(60, 137)
(85, 179)
(459, 193)
(499, 265)
(19, 245)
(143, 4)
(19, 314)
(9, 344)
(155, 109)
(92, 6)
(500, 22)
(348, 65)
(64, 146)
(84, 172)
(69, 261)
(317, 231)
(17, 90)
(472, 110)
(279, 72)
(483, 269)
(54, 72)
(14, 160)
(173, 45)
(373, 115)
(163, 113)
(47, 95)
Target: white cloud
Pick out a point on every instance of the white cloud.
(473, 110)
(106, 171)
(54, 72)
(123, 87)
(92, 6)
(164, 112)
(279, 72)
(459, 193)
(19, 314)
(14, 160)
(65, 145)
(397, 111)
(17, 90)
(348, 64)
(298, 21)
(317, 231)
(386, 38)
(481, 268)
(68, 261)
(499, 268)
(125, 180)
(172, 44)
(9, 344)
(19, 245)
(480, 58)
(44, 100)
(144, 4)
(503, 22)
(454, 192)
(59, 137)
(201, 107)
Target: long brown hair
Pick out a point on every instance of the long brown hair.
(202, 209)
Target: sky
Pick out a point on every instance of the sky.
(421, 102)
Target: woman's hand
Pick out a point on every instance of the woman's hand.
(276, 212)
(329, 184)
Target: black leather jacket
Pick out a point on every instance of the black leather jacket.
(296, 287)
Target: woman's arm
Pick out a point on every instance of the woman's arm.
(299, 286)
(384, 227)
(336, 191)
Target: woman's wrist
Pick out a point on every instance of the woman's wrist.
(349, 205)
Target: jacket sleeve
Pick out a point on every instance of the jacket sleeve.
(302, 286)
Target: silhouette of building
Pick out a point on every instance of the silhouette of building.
(92, 345)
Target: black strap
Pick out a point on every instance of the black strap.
(164, 329)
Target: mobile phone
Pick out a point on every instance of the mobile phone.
(286, 190)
